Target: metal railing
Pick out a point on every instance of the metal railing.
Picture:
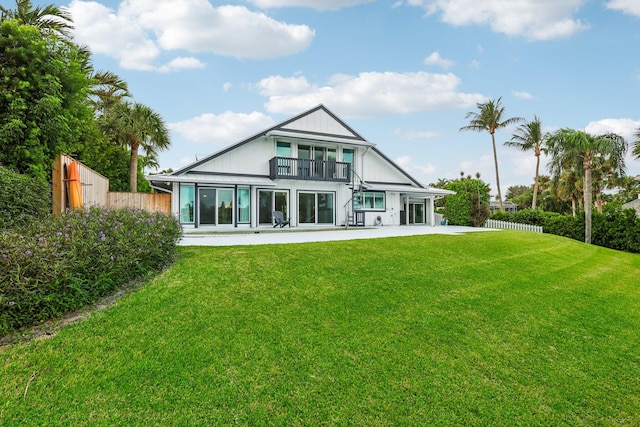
(309, 170)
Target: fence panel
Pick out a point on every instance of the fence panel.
(493, 223)
(151, 202)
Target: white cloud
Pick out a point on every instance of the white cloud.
(140, 31)
(436, 59)
(521, 95)
(314, 4)
(223, 129)
(181, 63)
(532, 19)
(623, 127)
(631, 7)
(368, 94)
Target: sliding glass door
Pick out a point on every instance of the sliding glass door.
(216, 206)
(316, 208)
(269, 201)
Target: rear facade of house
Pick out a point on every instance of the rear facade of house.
(313, 168)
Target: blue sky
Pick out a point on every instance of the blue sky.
(401, 73)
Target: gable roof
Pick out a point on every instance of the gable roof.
(315, 123)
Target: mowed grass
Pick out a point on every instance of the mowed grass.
(497, 328)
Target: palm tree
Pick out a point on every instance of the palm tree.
(528, 137)
(136, 126)
(577, 149)
(490, 118)
(49, 19)
(569, 187)
(107, 90)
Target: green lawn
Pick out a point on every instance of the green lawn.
(497, 328)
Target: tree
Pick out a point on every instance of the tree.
(528, 137)
(470, 204)
(44, 109)
(577, 149)
(50, 19)
(137, 126)
(490, 118)
(107, 90)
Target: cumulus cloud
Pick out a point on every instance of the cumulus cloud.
(436, 59)
(222, 129)
(623, 127)
(313, 4)
(631, 7)
(368, 94)
(532, 19)
(139, 32)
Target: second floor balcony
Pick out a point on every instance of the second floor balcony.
(309, 170)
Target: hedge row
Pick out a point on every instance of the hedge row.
(615, 228)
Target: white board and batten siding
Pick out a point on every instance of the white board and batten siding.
(250, 158)
(318, 122)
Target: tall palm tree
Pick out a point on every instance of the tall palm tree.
(577, 149)
(49, 19)
(137, 126)
(490, 117)
(528, 137)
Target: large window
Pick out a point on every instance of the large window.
(269, 201)
(216, 206)
(225, 207)
(369, 200)
(187, 202)
(283, 149)
(315, 208)
(347, 155)
(243, 205)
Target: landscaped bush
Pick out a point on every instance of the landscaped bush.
(62, 263)
(470, 203)
(22, 199)
(617, 228)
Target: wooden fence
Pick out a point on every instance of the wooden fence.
(95, 191)
(152, 202)
(493, 223)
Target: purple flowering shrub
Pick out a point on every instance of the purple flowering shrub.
(61, 263)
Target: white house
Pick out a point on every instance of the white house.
(313, 168)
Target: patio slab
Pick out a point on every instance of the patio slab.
(293, 235)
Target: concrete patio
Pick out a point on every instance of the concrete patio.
(267, 236)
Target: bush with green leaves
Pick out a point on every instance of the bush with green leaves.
(470, 204)
(62, 263)
(22, 199)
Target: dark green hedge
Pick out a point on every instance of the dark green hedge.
(615, 228)
(22, 199)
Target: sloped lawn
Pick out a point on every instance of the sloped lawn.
(500, 328)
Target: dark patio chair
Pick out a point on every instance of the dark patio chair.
(279, 220)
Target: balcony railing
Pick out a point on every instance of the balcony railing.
(309, 170)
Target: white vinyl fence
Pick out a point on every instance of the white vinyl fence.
(493, 223)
